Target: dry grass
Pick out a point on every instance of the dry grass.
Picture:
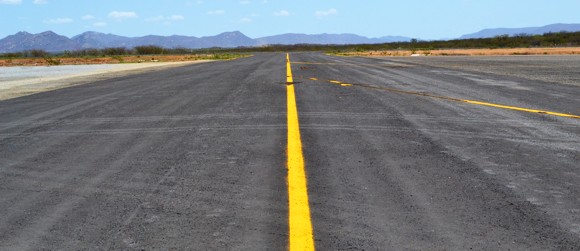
(471, 52)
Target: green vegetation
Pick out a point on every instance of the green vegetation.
(561, 39)
(149, 50)
(118, 53)
(52, 61)
(222, 56)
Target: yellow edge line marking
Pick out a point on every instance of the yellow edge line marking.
(475, 102)
(347, 64)
(339, 83)
(300, 225)
(521, 109)
(315, 63)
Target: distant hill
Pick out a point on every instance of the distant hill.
(294, 38)
(227, 40)
(100, 40)
(96, 40)
(52, 42)
(487, 33)
(48, 41)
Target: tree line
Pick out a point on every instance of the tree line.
(559, 39)
(113, 51)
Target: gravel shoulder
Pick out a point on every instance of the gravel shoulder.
(27, 80)
(534, 68)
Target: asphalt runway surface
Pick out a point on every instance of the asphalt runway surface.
(399, 154)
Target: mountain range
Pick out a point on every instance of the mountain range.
(487, 33)
(52, 42)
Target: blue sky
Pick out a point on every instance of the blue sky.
(412, 18)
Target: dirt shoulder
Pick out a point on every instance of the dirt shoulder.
(23, 86)
(467, 52)
(100, 60)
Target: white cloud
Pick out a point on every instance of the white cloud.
(120, 15)
(64, 20)
(100, 24)
(10, 1)
(175, 18)
(155, 19)
(282, 13)
(87, 17)
(166, 19)
(326, 13)
(246, 20)
(40, 1)
(216, 12)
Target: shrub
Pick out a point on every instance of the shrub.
(149, 50)
(51, 61)
(37, 53)
(115, 51)
(12, 55)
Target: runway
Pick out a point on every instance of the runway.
(368, 153)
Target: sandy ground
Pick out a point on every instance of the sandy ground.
(558, 69)
(470, 52)
(102, 60)
(21, 81)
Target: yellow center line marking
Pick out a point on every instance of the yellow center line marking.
(300, 225)
(474, 102)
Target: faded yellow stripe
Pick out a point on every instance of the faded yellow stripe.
(300, 225)
(515, 108)
(475, 102)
